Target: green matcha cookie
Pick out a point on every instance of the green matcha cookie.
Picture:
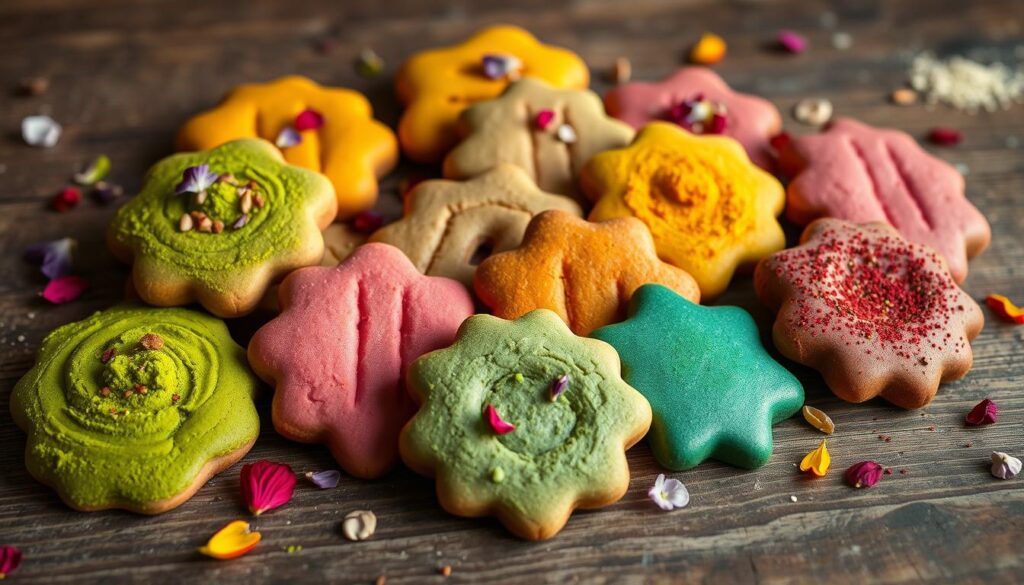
(523, 420)
(136, 408)
(714, 389)
(218, 226)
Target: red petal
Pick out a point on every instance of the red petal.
(498, 425)
(367, 222)
(266, 485)
(309, 119)
(10, 560)
(544, 119)
(944, 136)
(66, 199)
(984, 413)
(65, 289)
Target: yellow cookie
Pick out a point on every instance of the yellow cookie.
(708, 207)
(351, 148)
(436, 85)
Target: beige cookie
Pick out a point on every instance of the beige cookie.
(549, 133)
(449, 226)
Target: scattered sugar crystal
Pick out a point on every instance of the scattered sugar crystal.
(965, 84)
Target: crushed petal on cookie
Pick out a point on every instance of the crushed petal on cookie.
(1005, 309)
(863, 474)
(559, 386)
(240, 222)
(368, 221)
(325, 480)
(267, 485)
(498, 425)
(710, 49)
(369, 64)
(985, 412)
(501, 66)
(152, 342)
(234, 540)
(67, 199)
(817, 462)
(699, 115)
(309, 119)
(95, 172)
(54, 258)
(41, 131)
(196, 179)
(65, 289)
(10, 560)
(819, 420)
(791, 42)
(944, 136)
(288, 137)
(669, 494)
(566, 134)
(780, 141)
(544, 118)
(1005, 466)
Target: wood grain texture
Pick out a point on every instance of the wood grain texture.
(124, 75)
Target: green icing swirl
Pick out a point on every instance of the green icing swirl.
(128, 451)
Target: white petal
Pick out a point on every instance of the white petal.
(40, 131)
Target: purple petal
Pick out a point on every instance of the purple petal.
(196, 179)
(54, 258)
(559, 386)
(288, 137)
(324, 480)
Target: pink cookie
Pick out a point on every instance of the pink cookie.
(863, 174)
(750, 120)
(338, 351)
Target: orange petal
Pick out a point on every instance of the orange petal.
(817, 462)
(234, 540)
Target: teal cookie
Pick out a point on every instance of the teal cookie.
(714, 390)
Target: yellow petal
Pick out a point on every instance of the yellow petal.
(232, 541)
(817, 461)
(819, 420)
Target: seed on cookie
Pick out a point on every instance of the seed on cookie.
(152, 341)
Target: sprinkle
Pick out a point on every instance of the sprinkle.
(985, 412)
(559, 386)
(497, 475)
(106, 192)
(185, 224)
(1005, 309)
(234, 540)
(10, 560)
(566, 134)
(544, 119)
(944, 136)
(369, 64)
(324, 480)
(196, 179)
(791, 42)
(55, 258)
(446, 571)
(41, 131)
(669, 494)
(793, 499)
(817, 462)
(1005, 466)
(819, 420)
(266, 485)
(864, 474)
(67, 199)
(293, 548)
(497, 424)
(501, 66)
(33, 86)
(903, 97)
(152, 342)
(966, 85)
(710, 49)
(813, 111)
(65, 289)
(368, 221)
(95, 172)
(622, 70)
(288, 137)
(309, 119)
(842, 41)
(519, 377)
(359, 525)
(240, 222)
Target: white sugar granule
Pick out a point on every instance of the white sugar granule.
(965, 84)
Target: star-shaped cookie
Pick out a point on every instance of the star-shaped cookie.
(436, 85)
(863, 174)
(708, 208)
(875, 314)
(549, 133)
(714, 390)
(749, 119)
(585, 272)
(449, 225)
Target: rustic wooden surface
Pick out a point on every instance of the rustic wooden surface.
(124, 75)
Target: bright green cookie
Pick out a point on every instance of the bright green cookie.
(563, 454)
(136, 408)
(714, 389)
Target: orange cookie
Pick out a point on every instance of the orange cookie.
(351, 148)
(585, 272)
(708, 207)
(437, 85)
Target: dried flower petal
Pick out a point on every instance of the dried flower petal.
(559, 386)
(368, 221)
(64, 201)
(1005, 466)
(498, 425)
(543, 119)
(863, 474)
(818, 420)
(699, 115)
(33, 86)
(266, 485)
(95, 172)
(985, 412)
(324, 480)
(566, 134)
(369, 64)
(780, 141)
(818, 461)
(106, 192)
(288, 137)
(309, 119)
(10, 560)
(710, 49)
(234, 540)
(41, 131)
(241, 222)
(944, 136)
(500, 66)
(196, 179)
(65, 289)
(1005, 309)
(791, 42)
(54, 258)
(669, 494)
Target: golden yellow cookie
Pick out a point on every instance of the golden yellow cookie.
(436, 85)
(351, 148)
(708, 207)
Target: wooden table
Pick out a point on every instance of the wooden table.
(124, 75)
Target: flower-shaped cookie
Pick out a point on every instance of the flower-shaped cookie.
(875, 314)
(862, 174)
(449, 225)
(351, 148)
(549, 133)
(437, 85)
(749, 119)
(219, 226)
(585, 272)
(714, 390)
(338, 352)
(523, 420)
(136, 408)
(708, 208)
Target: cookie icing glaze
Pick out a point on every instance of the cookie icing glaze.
(714, 390)
(863, 174)
(338, 352)
(563, 454)
(875, 314)
(112, 424)
(750, 120)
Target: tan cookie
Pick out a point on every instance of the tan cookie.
(549, 133)
(448, 225)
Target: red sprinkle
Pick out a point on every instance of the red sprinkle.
(944, 136)
(66, 199)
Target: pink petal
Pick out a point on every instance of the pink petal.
(944, 136)
(267, 485)
(544, 119)
(309, 119)
(792, 42)
(984, 413)
(10, 560)
(498, 425)
(65, 289)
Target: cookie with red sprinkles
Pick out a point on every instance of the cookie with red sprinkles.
(875, 314)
